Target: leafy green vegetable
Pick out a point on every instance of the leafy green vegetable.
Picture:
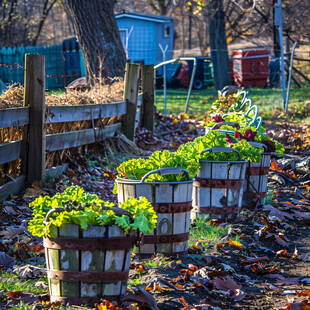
(214, 138)
(85, 209)
(135, 169)
(225, 104)
(261, 138)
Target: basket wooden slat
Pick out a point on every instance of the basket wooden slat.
(81, 289)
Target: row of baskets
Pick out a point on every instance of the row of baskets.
(218, 192)
(86, 265)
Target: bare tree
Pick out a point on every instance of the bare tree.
(160, 6)
(46, 9)
(98, 35)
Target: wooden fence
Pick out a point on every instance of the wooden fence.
(34, 116)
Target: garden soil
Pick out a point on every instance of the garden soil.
(262, 263)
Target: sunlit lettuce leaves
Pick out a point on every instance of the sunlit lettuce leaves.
(135, 169)
(85, 209)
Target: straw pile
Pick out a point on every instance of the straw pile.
(99, 94)
(13, 98)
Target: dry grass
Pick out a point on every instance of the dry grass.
(99, 94)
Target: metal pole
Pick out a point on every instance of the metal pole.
(171, 61)
(165, 80)
(279, 23)
(289, 79)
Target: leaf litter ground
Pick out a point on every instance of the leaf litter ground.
(260, 262)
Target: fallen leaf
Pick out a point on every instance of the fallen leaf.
(236, 244)
(287, 281)
(251, 261)
(30, 272)
(280, 238)
(141, 296)
(6, 261)
(14, 298)
(304, 293)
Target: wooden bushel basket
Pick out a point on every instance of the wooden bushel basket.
(84, 266)
(256, 179)
(172, 202)
(218, 187)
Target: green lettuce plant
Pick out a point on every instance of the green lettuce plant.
(85, 209)
(213, 139)
(252, 134)
(135, 169)
(237, 117)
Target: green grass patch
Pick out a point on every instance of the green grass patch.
(207, 233)
(201, 100)
(10, 283)
(22, 306)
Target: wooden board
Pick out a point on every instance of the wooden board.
(114, 261)
(131, 97)
(69, 260)
(145, 190)
(129, 191)
(57, 171)
(34, 98)
(61, 114)
(138, 112)
(163, 193)
(264, 180)
(12, 188)
(147, 117)
(180, 220)
(14, 117)
(9, 151)
(60, 141)
(92, 261)
(52, 263)
(234, 196)
(201, 195)
(219, 195)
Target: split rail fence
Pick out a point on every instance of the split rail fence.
(136, 109)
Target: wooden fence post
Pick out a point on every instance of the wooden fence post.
(131, 97)
(147, 117)
(34, 97)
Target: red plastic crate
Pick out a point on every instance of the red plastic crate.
(251, 71)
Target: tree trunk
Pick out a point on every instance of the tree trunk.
(95, 26)
(190, 18)
(218, 45)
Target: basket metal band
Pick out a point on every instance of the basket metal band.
(254, 195)
(84, 300)
(176, 207)
(150, 239)
(257, 171)
(218, 183)
(215, 210)
(89, 244)
(111, 276)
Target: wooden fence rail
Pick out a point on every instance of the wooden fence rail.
(34, 115)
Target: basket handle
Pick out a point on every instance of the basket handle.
(219, 125)
(166, 171)
(117, 211)
(219, 149)
(255, 108)
(260, 120)
(244, 100)
(258, 145)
